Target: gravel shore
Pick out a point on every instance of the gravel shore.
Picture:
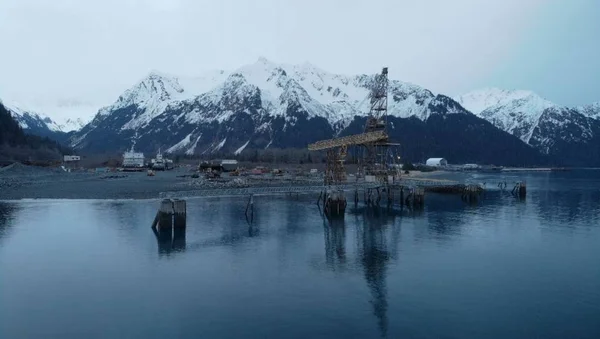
(26, 182)
(18, 181)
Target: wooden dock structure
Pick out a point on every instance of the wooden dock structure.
(172, 214)
(408, 193)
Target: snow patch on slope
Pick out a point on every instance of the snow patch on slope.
(192, 149)
(241, 149)
(181, 145)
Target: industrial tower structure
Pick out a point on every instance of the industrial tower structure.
(373, 142)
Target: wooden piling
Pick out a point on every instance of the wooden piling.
(180, 214)
(401, 195)
(250, 208)
(165, 218)
(335, 204)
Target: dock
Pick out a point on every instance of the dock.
(297, 188)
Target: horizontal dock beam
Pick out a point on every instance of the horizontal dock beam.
(298, 189)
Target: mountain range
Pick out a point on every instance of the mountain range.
(571, 135)
(269, 105)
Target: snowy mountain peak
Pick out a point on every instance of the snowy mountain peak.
(592, 110)
(479, 100)
(165, 86)
(33, 121)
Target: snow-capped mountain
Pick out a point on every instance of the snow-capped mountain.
(592, 110)
(566, 133)
(516, 112)
(32, 121)
(66, 115)
(263, 92)
(269, 105)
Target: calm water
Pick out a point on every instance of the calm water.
(503, 269)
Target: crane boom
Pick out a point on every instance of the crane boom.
(350, 140)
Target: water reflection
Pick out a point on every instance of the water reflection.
(374, 257)
(568, 208)
(7, 212)
(170, 242)
(377, 238)
(335, 244)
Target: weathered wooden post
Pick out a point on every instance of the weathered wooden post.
(169, 225)
(250, 207)
(165, 218)
(401, 196)
(180, 214)
(523, 190)
(419, 196)
(335, 203)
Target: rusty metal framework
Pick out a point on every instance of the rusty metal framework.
(357, 139)
(377, 120)
(334, 168)
(374, 141)
(375, 153)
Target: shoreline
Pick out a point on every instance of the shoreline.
(21, 182)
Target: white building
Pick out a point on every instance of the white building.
(229, 165)
(71, 158)
(436, 162)
(133, 159)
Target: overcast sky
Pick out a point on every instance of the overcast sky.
(92, 50)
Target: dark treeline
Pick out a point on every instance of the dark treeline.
(16, 145)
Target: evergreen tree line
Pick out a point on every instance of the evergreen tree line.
(15, 144)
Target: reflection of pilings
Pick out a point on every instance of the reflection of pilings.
(374, 260)
(169, 242)
(335, 243)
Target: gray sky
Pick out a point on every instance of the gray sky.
(92, 50)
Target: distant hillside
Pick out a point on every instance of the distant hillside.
(18, 146)
(460, 138)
